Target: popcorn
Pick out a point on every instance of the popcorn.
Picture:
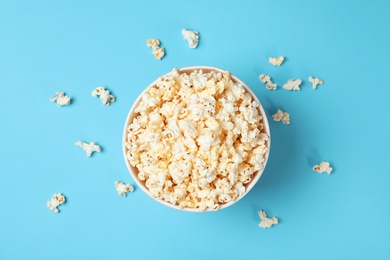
(61, 98)
(292, 84)
(192, 37)
(55, 202)
(104, 94)
(268, 83)
(123, 188)
(266, 222)
(276, 61)
(152, 43)
(282, 116)
(197, 139)
(88, 148)
(315, 81)
(323, 167)
(157, 51)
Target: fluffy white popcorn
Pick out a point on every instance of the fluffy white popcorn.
(266, 222)
(282, 116)
(88, 148)
(292, 84)
(55, 202)
(323, 167)
(104, 95)
(268, 82)
(315, 81)
(157, 51)
(123, 188)
(276, 61)
(192, 37)
(197, 139)
(61, 98)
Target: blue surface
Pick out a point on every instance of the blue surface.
(74, 46)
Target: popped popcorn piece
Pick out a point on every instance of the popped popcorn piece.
(192, 37)
(61, 98)
(157, 51)
(323, 167)
(282, 116)
(152, 43)
(276, 61)
(266, 222)
(123, 188)
(197, 139)
(104, 95)
(315, 81)
(55, 202)
(88, 148)
(292, 84)
(268, 82)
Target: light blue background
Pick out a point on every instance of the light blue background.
(75, 46)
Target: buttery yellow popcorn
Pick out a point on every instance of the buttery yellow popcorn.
(152, 42)
(157, 51)
(197, 139)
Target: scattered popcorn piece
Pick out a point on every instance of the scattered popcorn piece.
(292, 84)
(266, 222)
(197, 139)
(315, 81)
(104, 94)
(276, 61)
(268, 82)
(122, 188)
(192, 37)
(61, 98)
(282, 116)
(55, 201)
(323, 167)
(157, 51)
(152, 43)
(88, 148)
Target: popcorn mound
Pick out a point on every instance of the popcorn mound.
(197, 139)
